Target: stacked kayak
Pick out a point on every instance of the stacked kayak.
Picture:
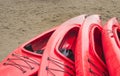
(26, 59)
(111, 43)
(80, 46)
(89, 51)
(58, 59)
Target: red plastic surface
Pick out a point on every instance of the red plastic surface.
(111, 42)
(54, 63)
(89, 51)
(23, 62)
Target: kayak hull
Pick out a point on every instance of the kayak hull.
(26, 59)
(111, 46)
(89, 50)
(56, 60)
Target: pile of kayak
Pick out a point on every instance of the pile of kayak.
(80, 46)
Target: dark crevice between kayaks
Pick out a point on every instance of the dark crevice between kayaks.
(29, 48)
(68, 53)
(67, 45)
(38, 45)
(118, 34)
(98, 43)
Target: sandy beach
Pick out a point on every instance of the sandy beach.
(21, 20)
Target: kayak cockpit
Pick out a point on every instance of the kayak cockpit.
(97, 41)
(67, 45)
(38, 44)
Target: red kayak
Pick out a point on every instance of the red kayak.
(25, 60)
(111, 44)
(58, 58)
(89, 51)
